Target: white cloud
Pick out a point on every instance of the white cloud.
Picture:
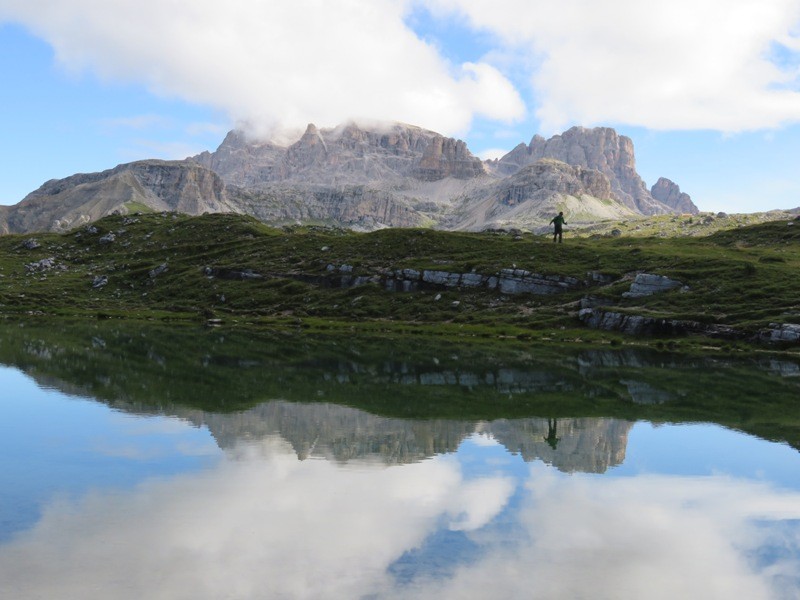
(269, 63)
(729, 65)
(678, 64)
(492, 153)
(480, 501)
(260, 525)
(264, 524)
(653, 537)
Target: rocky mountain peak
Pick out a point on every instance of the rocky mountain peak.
(310, 138)
(599, 148)
(669, 193)
(306, 152)
(59, 205)
(350, 154)
(370, 175)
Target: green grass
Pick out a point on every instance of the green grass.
(134, 207)
(744, 277)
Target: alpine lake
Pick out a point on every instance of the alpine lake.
(170, 462)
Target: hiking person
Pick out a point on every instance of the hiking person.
(558, 224)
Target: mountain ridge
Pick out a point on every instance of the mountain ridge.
(389, 175)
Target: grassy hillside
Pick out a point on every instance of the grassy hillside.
(233, 268)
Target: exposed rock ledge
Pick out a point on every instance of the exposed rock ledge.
(787, 332)
(519, 281)
(507, 281)
(597, 318)
(647, 284)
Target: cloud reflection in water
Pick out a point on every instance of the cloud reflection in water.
(262, 524)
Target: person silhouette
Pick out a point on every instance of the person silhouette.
(552, 438)
(558, 224)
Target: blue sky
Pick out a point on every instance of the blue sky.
(709, 90)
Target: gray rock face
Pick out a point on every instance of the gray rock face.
(669, 193)
(786, 332)
(601, 149)
(532, 195)
(547, 176)
(446, 157)
(242, 162)
(598, 318)
(507, 281)
(356, 207)
(62, 204)
(345, 155)
(390, 175)
(647, 284)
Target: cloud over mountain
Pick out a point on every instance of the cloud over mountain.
(274, 62)
(728, 65)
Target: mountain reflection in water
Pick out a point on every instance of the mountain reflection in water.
(341, 433)
(360, 469)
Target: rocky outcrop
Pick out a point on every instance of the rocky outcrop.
(631, 324)
(549, 176)
(669, 193)
(511, 282)
(446, 157)
(507, 281)
(601, 149)
(647, 284)
(62, 204)
(786, 332)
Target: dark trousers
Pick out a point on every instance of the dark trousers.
(557, 234)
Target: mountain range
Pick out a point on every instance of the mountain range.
(368, 177)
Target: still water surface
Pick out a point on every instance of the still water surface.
(130, 472)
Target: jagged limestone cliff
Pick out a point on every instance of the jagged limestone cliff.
(532, 195)
(669, 193)
(60, 205)
(601, 149)
(390, 175)
(345, 155)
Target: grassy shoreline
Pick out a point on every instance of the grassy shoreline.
(156, 368)
(236, 271)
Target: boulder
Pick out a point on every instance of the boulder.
(647, 284)
(786, 332)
